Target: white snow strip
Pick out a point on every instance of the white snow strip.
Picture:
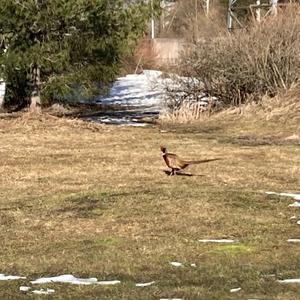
(218, 241)
(293, 240)
(10, 277)
(298, 222)
(235, 290)
(176, 264)
(120, 121)
(145, 284)
(295, 204)
(171, 299)
(296, 280)
(43, 292)
(73, 280)
(293, 218)
(108, 282)
(193, 265)
(294, 196)
(24, 288)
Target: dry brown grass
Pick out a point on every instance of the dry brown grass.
(283, 108)
(187, 113)
(94, 201)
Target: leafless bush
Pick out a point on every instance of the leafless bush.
(263, 59)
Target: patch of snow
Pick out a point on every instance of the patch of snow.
(43, 292)
(298, 222)
(293, 137)
(73, 280)
(295, 204)
(10, 277)
(294, 196)
(171, 299)
(145, 284)
(295, 280)
(193, 265)
(293, 240)
(176, 264)
(24, 288)
(235, 290)
(218, 241)
(293, 218)
(119, 121)
(145, 89)
(108, 282)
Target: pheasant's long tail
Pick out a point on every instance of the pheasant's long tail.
(194, 162)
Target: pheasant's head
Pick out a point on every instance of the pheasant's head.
(163, 149)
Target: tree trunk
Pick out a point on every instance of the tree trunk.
(35, 104)
(2, 93)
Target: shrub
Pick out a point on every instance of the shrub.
(263, 59)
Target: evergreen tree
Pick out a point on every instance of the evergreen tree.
(47, 46)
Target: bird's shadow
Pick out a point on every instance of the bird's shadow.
(169, 173)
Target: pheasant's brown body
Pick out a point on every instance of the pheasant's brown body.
(174, 162)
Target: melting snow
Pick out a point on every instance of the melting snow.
(24, 288)
(73, 280)
(235, 290)
(294, 196)
(218, 241)
(124, 121)
(296, 280)
(10, 277)
(293, 240)
(135, 96)
(145, 284)
(144, 89)
(176, 264)
(43, 292)
(170, 299)
(296, 204)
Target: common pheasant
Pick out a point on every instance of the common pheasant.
(174, 162)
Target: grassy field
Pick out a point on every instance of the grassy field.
(94, 201)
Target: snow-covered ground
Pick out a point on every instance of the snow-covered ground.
(218, 241)
(73, 280)
(132, 98)
(142, 95)
(294, 196)
(10, 277)
(137, 90)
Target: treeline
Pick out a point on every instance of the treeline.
(49, 48)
